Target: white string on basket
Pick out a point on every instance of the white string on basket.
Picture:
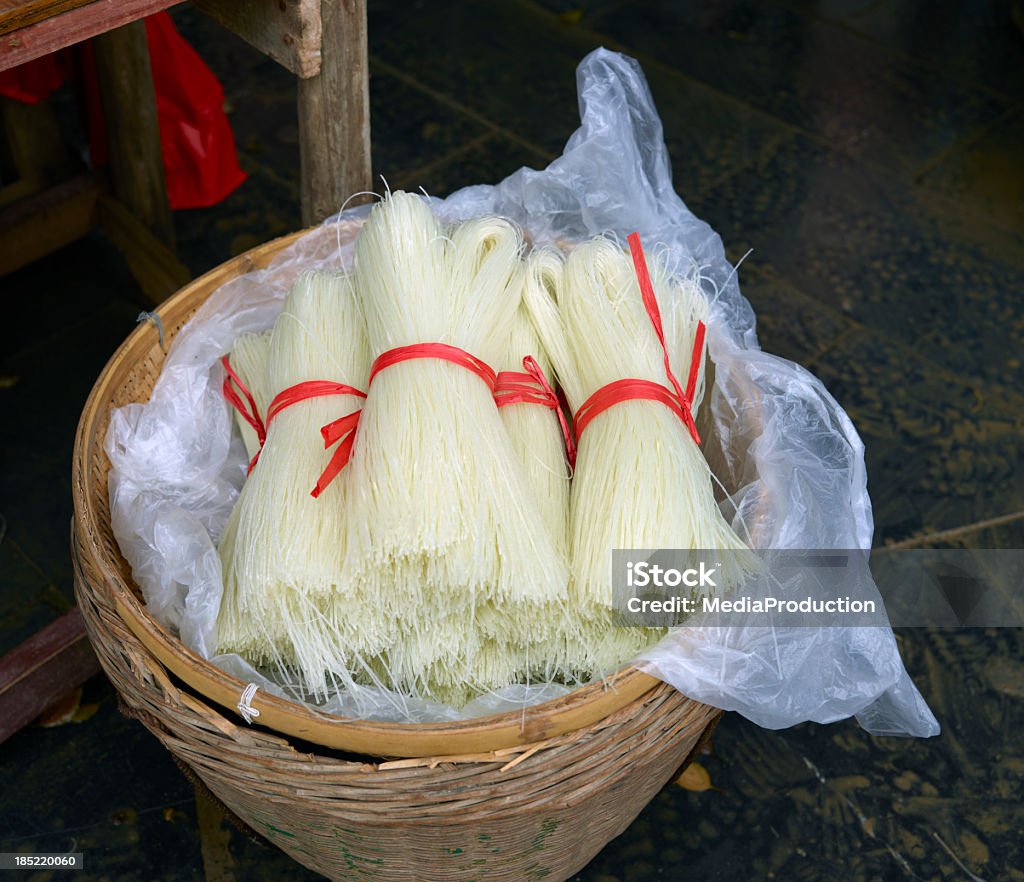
(245, 708)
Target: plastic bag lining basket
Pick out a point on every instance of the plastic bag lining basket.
(538, 796)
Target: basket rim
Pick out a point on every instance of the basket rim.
(579, 708)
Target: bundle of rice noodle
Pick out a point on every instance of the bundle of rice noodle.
(290, 601)
(534, 428)
(589, 644)
(543, 445)
(443, 526)
(641, 481)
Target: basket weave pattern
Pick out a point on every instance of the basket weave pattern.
(541, 814)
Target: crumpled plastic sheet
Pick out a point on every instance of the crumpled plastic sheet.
(789, 453)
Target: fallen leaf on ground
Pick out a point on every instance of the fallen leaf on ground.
(63, 711)
(695, 778)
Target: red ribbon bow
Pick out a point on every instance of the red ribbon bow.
(532, 387)
(340, 430)
(677, 400)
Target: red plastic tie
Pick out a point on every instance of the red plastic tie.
(630, 389)
(442, 351)
(340, 430)
(233, 390)
(532, 387)
(331, 434)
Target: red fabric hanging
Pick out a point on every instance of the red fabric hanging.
(200, 162)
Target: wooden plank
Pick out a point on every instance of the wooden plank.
(16, 191)
(15, 14)
(42, 670)
(155, 266)
(286, 30)
(73, 26)
(40, 224)
(38, 150)
(334, 114)
(133, 130)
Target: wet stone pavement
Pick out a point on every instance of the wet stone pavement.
(871, 153)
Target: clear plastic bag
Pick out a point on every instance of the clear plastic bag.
(788, 452)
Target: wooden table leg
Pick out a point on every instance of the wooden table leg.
(38, 151)
(334, 114)
(138, 217)
(133, 132)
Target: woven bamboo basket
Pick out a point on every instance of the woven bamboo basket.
(523, 795)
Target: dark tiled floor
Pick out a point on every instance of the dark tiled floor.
(869, 152)
(862, 100)
(882, 252)
(974, 42)
(933, 438)
(982, 176)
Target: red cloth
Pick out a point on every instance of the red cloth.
(36, 80)
(200, 161)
